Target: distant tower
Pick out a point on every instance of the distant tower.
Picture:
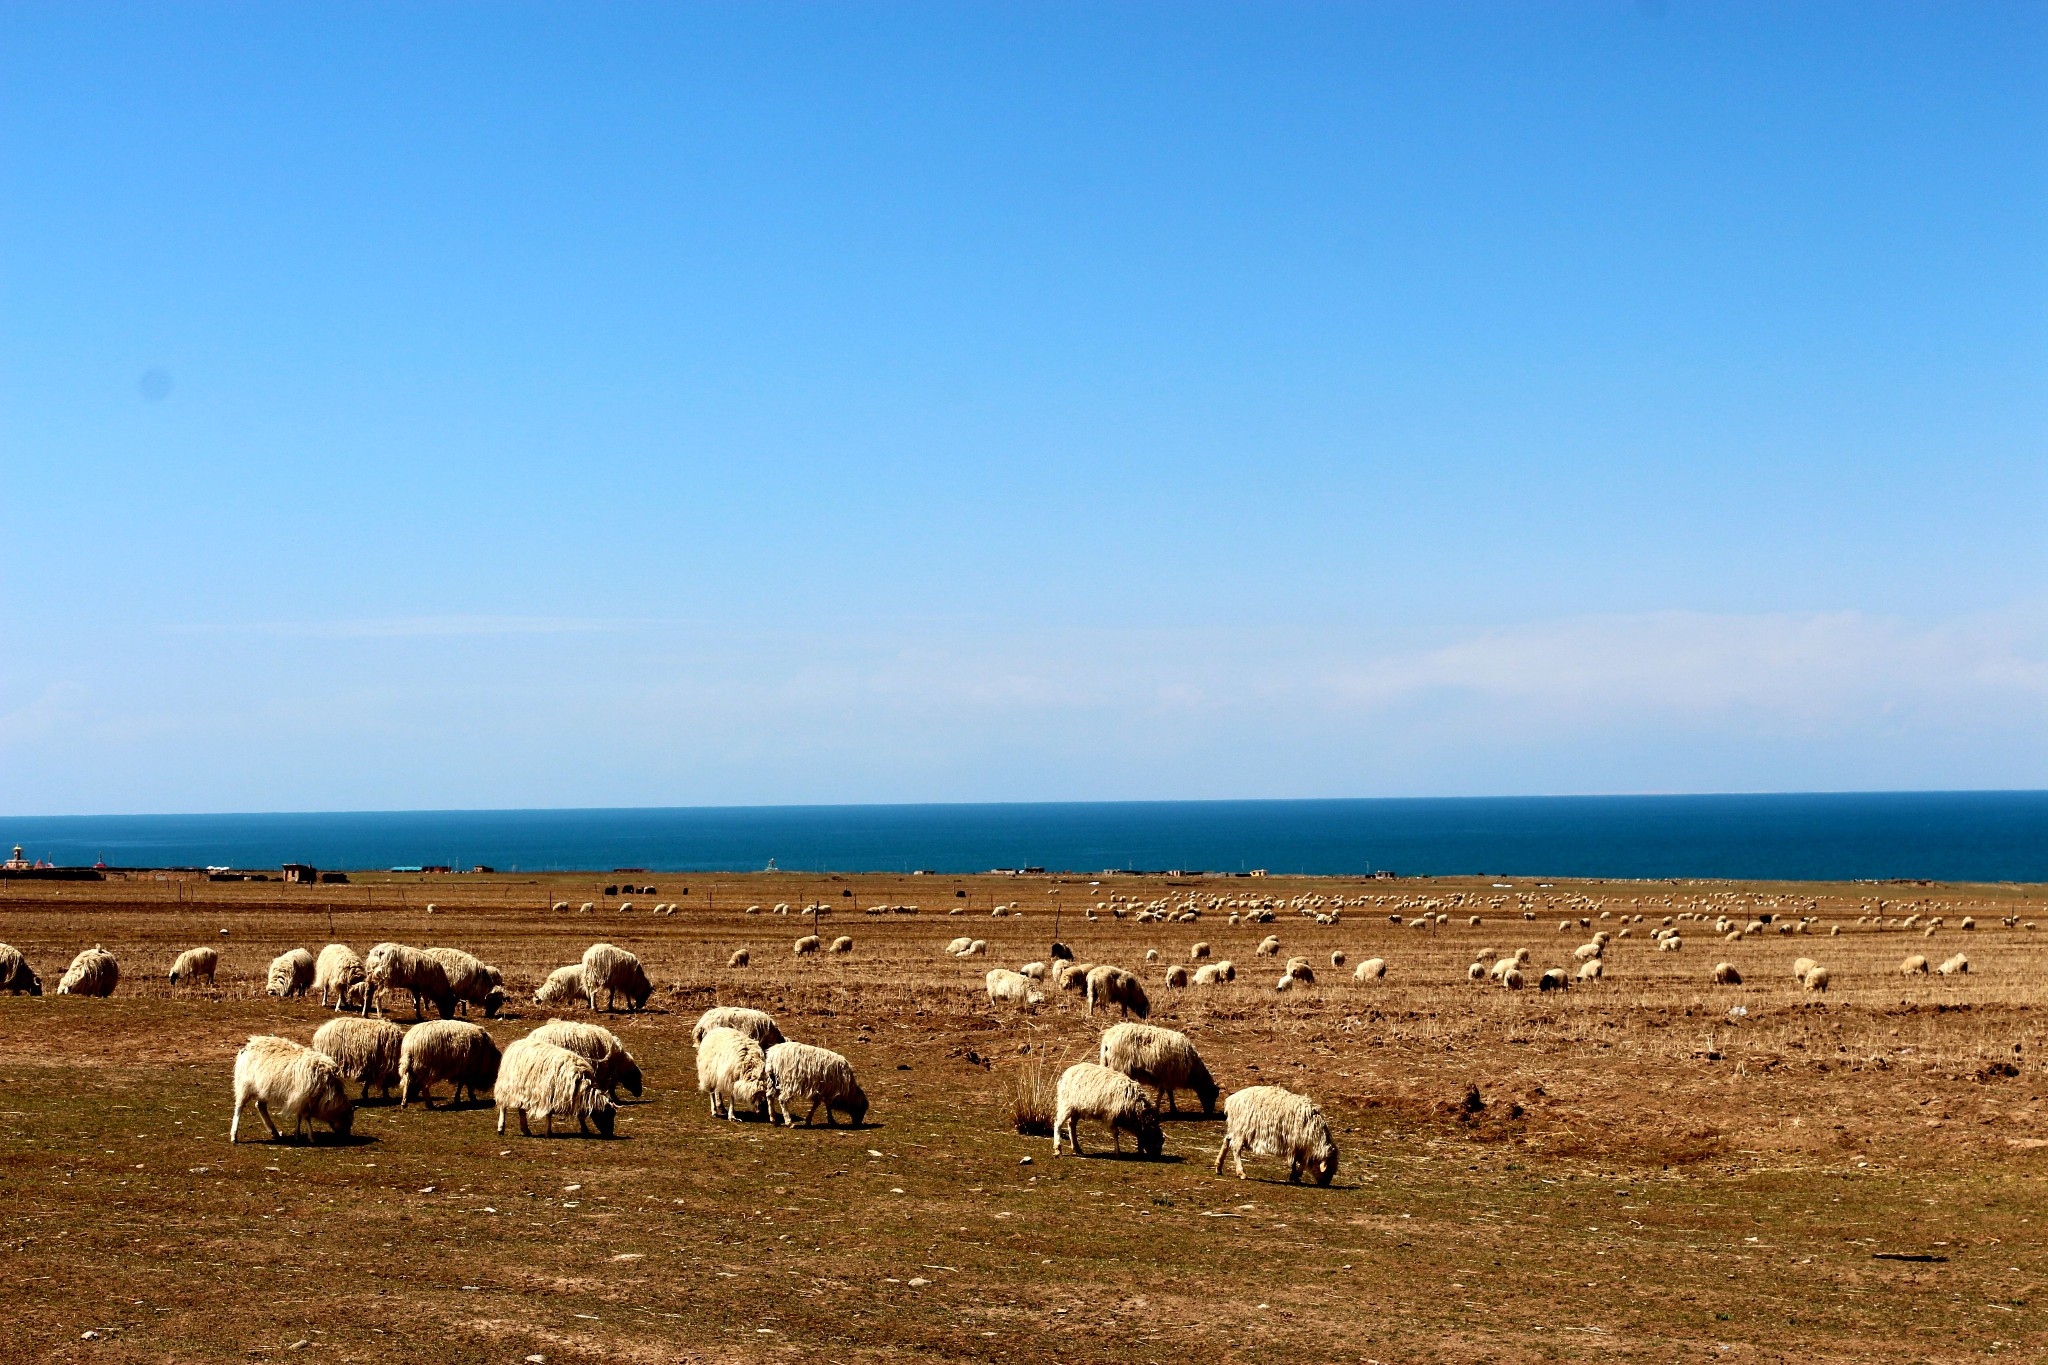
(15, 864)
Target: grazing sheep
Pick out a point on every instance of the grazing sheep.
(1073, 976)
(756, 1024)
(539, 1079)
(1954, 966)
(732, 1070)
(291, 974)
(814, 1076)
(1590, 950)
(92, 972)
(1592, 970)
(1816, 979)
(616, 972)
(960, 945)
(1671, 944)
(1269, 946)
(1115, 986)
(1198, 952)
(396, 967)
(1477, 971)
(1337, 958)
(609, 1061)
(1801, 966)
(1151, 954)
(299, 1081)
(1176, 975)
(1725, 974)
(978, 948)
(1090, 1091)
(1372, 969)
(1553, 980)
(1298, 973)
(337, 971)
(809, 943)
(1034, 970)
(1161, 1058)
(16, 975)
(1267, 1120)
(1006, 987)
(1968, 923)
(365, 1050)
(1215, 973)
(445, 1050)
(564, 986)
(471, 980)
(739, 958)
(193, 964)
(1916, 965)
(1511, 979)
(842, 944)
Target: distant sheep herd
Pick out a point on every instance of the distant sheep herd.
(571, 1072)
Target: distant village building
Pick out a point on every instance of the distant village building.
(17, 863)
(301, 874)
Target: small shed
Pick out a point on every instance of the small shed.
(304, 874)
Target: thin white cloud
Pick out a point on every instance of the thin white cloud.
(417, 627)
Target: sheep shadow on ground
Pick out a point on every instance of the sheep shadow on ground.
(350, 1139)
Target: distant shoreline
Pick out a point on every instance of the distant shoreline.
(1975, 837)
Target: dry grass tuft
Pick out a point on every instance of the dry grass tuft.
(1032, 1088)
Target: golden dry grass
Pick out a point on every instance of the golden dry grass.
(1620, 1170)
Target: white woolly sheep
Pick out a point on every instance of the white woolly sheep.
(842, 944)
(195, 964)
(1954, 966)
(616, 972)
(1034, 970)
(1176, 975)
(92, 972)
(978, 948)
(366, 1050)
(802, 1075)
(732, 1070)
(756, 1024)
(1801, 966)
(1592, 970)
(1511, 979)
(1268, 1120)
(1916, 965)
(609, 1061)
(298, 1081)
(1477, 971)
(1089, 1091)
(471, 980)
(1726, 974)
(1372, 969)
(960, 945)
(1197, 952)
(1114, 986)
(1215, 973)
(291, 974)
(740, 958)
(445, 1050)
(543, 1080)
(16, 976)
(1269, 946)
(1006, 987)
(1337, 958)
(1072, 976)
(1553, 980)
(564, 986)
(396, 967)
(1815, 979)
(337, 972)
(1161, 1058)
(809, 943)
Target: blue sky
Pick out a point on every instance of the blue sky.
(496, 405)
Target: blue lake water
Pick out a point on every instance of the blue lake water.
(1957, 836)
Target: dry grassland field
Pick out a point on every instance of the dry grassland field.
(1648, 1167)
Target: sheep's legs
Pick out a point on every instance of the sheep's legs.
(814, 1114)
(501, 1123)
(264, 1110)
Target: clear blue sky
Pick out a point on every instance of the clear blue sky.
(496, 405)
